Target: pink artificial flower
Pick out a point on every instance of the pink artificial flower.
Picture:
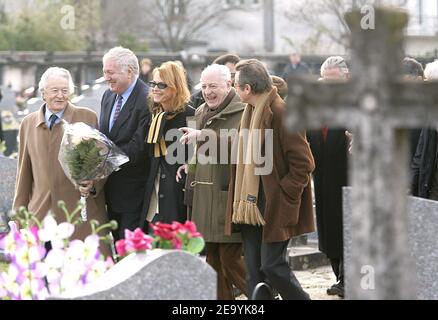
(121, 247)
(137, 240)
(190, 227)
(164, 230)
(177, 243)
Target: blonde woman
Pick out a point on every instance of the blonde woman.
(169, 97)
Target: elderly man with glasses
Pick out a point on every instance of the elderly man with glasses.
(41, 181)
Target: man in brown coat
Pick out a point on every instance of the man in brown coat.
(270, 205)
(41, 181)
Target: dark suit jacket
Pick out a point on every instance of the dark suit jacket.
(124, 189)
(423, 164)
(330, 175)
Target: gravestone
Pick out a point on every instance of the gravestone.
(7, 187)
(155, 275)
(10, 128)
(379, 107)
(8, 169)
(8, 102)
(91, 97)
(423, 240)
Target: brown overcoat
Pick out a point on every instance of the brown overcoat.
(41, 181)
(289, 210)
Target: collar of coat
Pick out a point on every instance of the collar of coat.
(67, 116)
(270, 102)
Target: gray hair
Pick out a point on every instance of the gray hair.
(125, 59)
(222, 70)
(56, 72)
(254, 73)
(431, 71)
(334, 62)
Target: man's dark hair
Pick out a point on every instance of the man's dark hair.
(227, 58)
(412, 67)
(254, 73)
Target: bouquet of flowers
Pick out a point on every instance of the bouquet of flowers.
(34, 273)
(86, 154)
(166, 236)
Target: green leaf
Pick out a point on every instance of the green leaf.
(195, 245)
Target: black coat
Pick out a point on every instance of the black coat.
(423, 164)
(124, 189)
(329, 177)
(171, 193)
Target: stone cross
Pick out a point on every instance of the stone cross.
(378, 106)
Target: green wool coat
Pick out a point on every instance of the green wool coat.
(212, 180)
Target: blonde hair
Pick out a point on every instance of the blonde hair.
(174, 75)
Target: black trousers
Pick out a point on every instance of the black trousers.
(266, 262)
(338, 268)
(125, 220)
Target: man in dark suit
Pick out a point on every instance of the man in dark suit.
(124, 119)
(330, 151)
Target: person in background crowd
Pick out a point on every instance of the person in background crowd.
(295, 67)
(413, 70)
(424, 171)
(330, 151)
(145, 70)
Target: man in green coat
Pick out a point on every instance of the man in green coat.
(215, 119)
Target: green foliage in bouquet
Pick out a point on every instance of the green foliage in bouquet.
(83, 158)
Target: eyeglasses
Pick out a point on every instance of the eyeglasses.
(160, 85)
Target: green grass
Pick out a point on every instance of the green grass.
(3, 266)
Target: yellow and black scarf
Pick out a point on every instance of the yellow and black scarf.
(156, 133)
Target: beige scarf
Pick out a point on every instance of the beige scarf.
(246, 190)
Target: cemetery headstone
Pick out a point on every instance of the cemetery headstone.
(8, 102)
(423, 240)
(8, 168)
(7, 184)
(154, 275)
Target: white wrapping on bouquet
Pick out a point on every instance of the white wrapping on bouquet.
(87, 154)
